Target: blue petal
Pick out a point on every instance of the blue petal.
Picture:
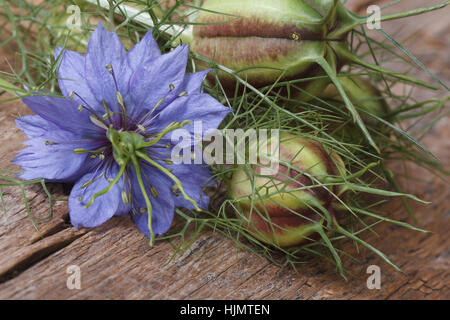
(63, 113)
(104, 207)
(193, 107)
(104, 48)
(71, 77)
(53, 163)
(34, 126)
(193, 178)
(162, 206)
(154, 78)
(50, 153)
(193, 82)
(146, 49)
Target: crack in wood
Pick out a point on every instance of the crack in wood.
(36, 253)
(61, 225)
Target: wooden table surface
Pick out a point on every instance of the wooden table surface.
(116, 261)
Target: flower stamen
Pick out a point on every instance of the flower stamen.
(86, 105)
(82, 150)
(95, 120)
(122, 105)
(111, 71)
(151, 112)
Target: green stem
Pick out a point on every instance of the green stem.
(390, 177)
(345, 54)
(365, 244)
(414, 12)
(378, 217)
(416, 61)
(356, 118)
(352, 176)
(355, 187)
(330, 246)
(141, 15)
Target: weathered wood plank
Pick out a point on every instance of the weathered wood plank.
(117, 262)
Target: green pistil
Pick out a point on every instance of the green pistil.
(144, 194)
(172, 126)
(108, 188)
(170, 175)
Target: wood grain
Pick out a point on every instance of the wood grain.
(117, 262)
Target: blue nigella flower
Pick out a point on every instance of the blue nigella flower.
(111, 135)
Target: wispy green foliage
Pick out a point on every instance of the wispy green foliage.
(7, 179)
(36, 29)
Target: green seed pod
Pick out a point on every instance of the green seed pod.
(280, 36)
(264, 41)
(361, 93)
(291, 204)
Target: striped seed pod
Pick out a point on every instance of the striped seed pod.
(279, 36)
(289, 205)
(263, 41)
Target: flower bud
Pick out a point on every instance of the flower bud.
(289, 205)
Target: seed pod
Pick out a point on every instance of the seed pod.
(289, 205)
(281, 36)
(263, 41)
(361, 93)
